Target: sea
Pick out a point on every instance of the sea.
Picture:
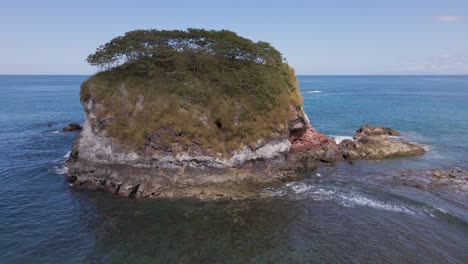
(340, 213)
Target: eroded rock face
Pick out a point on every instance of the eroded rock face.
(306, 140)
(315, 144)
(94, 145)
(188, 182)
(99, 162)
(309, 139)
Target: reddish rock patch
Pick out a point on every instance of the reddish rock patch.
(307, 140)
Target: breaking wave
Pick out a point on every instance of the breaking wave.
(424, 146)
(348, 198)
(312, 91)
(60, 170)
(338, 139)
(359, 200)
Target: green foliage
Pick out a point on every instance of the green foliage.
(210, 88)
(166, 47)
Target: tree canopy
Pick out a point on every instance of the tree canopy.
(164, 47)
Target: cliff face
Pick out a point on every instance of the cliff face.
(95, 145)
(102, 162)
(99, 161)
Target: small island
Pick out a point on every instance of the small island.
(202, 114)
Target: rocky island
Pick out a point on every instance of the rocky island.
(202, 114)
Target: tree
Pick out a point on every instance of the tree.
(164, 48)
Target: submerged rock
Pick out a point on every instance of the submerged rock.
(451, 180)
(438, 174)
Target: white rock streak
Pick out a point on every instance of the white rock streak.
(95, 146)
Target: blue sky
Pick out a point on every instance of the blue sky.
(316, 37)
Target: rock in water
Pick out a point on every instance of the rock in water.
(210, 119)
(374, 143)
(72, 127)
(196, 113)
(438, 174)
(377, 131)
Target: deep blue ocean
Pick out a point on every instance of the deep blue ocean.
(331, 217)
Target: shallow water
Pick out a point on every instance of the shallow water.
(339, 214)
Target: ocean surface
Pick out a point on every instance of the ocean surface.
(338, 214)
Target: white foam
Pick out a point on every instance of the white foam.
(424, 146)
(55, 132)
(321, 194)
(299, 187)
(415, 136)
(279, 192)
(359, 200)
(339, 139)
(299, 190)
(441, 210)
(60, 170)
(312, 91)
(434, 210)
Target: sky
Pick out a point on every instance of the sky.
(316, 37)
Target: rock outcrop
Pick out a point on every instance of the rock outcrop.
(377, 143)
(201, 114)
(100, 162)
(306, 141)
(368, 130)
(72, 127)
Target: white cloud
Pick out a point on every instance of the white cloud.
(440, 64)
(449, 18)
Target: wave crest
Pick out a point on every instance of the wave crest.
(347, 198)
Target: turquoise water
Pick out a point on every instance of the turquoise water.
(339, 216)
(431, 110)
